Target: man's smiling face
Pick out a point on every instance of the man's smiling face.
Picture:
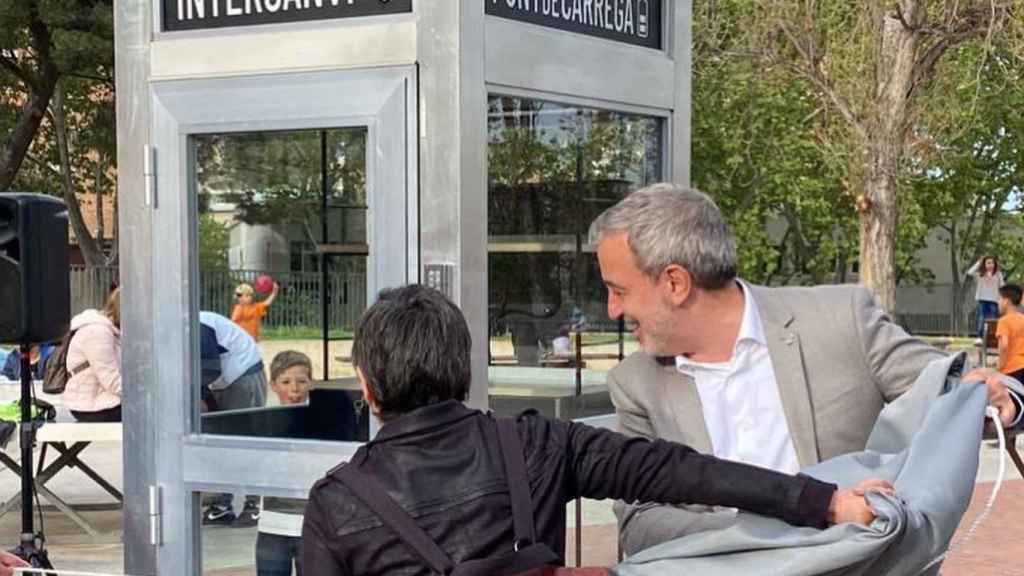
(636, 296)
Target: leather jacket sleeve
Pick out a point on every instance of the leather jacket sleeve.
(317, 534)
(606, 464)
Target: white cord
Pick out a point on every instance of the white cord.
(993, 413)
(21, 570)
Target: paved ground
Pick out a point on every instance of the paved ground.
(996, 546)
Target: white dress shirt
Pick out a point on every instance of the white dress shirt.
(740, 399)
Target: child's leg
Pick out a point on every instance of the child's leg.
(296, 545)
(273, 555)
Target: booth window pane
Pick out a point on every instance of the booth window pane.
(243, 544)
(284, 207)
(552, 168)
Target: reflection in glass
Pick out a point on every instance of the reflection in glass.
(552, 168)
(283, 246)
(268, 545)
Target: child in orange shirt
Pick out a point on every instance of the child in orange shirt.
(249, 314)
(1010, 331)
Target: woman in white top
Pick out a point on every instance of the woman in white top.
(989, 280)
(93, 392)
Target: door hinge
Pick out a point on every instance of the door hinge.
(149, 174)
(155, 516)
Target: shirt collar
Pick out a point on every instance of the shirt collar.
(432, 416)
(751, 329)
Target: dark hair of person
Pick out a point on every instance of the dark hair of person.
(995, 267)
(413, 348)
(1011, 292)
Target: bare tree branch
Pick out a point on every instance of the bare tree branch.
(976, 22)
(812, 71)
(91, 252)
(43, 165)
(903, 20)
(7, 64)
(105, 79)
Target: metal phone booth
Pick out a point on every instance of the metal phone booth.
(335, 148)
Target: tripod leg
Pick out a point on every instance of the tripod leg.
(42, 460)
(27, 440)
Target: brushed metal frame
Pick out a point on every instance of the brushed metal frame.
(452, 55)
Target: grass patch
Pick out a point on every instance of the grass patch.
(301, 333)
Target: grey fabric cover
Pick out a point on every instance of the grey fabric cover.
(925, 442)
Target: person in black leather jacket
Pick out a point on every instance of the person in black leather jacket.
(439, 459)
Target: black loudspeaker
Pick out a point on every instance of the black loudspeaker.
(35, 297)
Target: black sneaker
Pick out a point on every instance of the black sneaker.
(249, 516)
(218, 515)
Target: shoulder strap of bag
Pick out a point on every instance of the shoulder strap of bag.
(527, 553)
(518, 483)
(375, 496)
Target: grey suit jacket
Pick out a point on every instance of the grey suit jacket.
(837, 359)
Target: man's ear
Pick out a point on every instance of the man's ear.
(678, 283)
(371, 400)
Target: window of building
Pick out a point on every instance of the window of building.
(552, 168)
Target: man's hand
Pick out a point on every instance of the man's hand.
(998, 393)
(9, 561)
(851, 505)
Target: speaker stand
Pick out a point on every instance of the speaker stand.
(30, 549)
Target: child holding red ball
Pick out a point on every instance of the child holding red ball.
(249, 314)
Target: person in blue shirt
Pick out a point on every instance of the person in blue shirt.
(37, 357)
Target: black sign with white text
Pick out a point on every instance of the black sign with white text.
(631, 21)
(197, 14)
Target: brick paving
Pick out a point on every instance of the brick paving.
(996, 549)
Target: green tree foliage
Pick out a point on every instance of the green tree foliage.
(970, 178)
(873, 66)
(756, 150)
(278, 178)
(58, 52)
(788, 111)
(214, 241)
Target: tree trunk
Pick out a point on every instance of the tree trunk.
(886, 134)
(91, 252)
(878, 240)
(115, 249)
(40, 87)
(955, 297)
(16, 146)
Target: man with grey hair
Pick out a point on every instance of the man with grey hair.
(777, 377)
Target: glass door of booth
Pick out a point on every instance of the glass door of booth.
(282, 205)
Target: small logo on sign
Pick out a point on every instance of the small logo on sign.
(643, 14)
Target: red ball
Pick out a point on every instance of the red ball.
(264, 284)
